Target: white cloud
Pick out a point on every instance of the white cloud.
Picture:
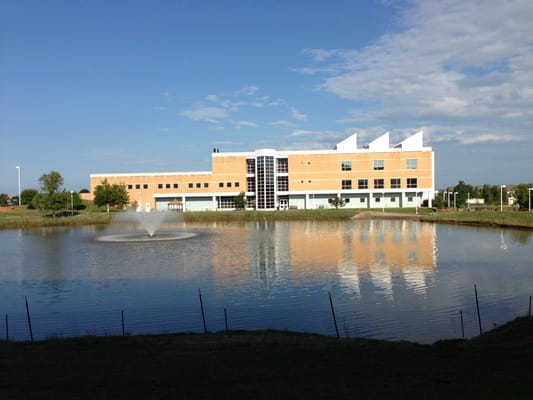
(295, 114)
(451, 62)
(282, 124)
(249, 124)
(209, 114)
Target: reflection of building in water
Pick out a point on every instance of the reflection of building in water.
(377, 250)
(383, 252)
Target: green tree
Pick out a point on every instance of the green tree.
(50, 198)
(521, 194)
(27, 196)
(4, 199)
(463, 191)
(109, 195)
(240, 201)
(337, 202)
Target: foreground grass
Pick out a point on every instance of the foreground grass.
(266, 365)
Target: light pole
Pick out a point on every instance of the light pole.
(501, 197)
(529, 193)
(449, 193)
(71, 203)
(455, 199)
(18, 174)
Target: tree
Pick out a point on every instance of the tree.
(27, 196)
(463, 191)
(4, 199)
(337, 202)
(240, 201)
(521, 194)
(108, 195)
(50, 198)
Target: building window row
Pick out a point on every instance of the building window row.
(282, 165)
(379, 165)
(229, 184)
(395, 183)
(137, 186)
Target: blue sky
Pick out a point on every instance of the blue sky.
(147, 86)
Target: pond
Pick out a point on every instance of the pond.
(387, 279)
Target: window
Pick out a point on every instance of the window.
(137, 186)
(237, 184)
(250, 166)
(362, 200)
(379, 165)
(346, 165)
(283, 183)
(228, 184)
(220, 184)
(160, 186)
(130, 187)
(250, 184)
(282, 165)
(198, 185)
(411, 182)
(411, 163)
(145, 186)
(206, 185)
(362, 184)
(190, 185)
(175, 186)
(346, 184)
(393, 199)
(167, 186)
(379, 183)
(378, 199)
(395, 183)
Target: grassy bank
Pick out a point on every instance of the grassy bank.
(266, 365)
(23, 218)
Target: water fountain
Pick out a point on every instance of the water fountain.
(134, 226)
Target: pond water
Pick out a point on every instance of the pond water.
(388, 279)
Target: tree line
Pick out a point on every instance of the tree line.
(491, 195)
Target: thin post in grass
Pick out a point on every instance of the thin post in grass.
(29, 318)
(462, 323)
(122, 319)
(478, 314)
(333, 313)
(202, 309)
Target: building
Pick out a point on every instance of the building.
(375, 176)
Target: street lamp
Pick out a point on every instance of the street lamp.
(18, 173)
(529, 193)
(455, 199)
(71, 203)
(501, 197)
(449, 193)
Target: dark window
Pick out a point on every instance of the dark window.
(198, 185)
(379, 165)
(130, 187)
(412, 182)
(220, 184)
(379, 184)
(175, 186)
(362, 184)
(206, 185)
(137, 186)
(190, 185)
(160, 186)
(237, 184)
(228, 184)
(283, 183)
(346, 184)
(145, 186)
(250, 166)
(282, 165)
(167, 186)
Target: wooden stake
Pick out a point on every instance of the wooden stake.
(29, 318)
(202, 309)
(478, 314)
(333, 313)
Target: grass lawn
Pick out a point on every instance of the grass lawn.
(269, 365)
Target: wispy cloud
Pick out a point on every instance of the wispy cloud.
(451, 62)
(202, 113)
(295, 114)
(240, 124)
